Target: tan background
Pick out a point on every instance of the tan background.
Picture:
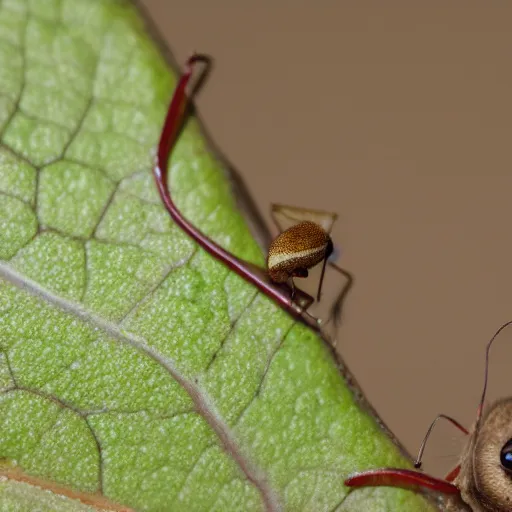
(397, 117)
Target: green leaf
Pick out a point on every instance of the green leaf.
(14, 495)
(131, 362)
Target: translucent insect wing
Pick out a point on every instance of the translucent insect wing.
(286, 216)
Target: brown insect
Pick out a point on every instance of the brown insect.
(295, 251)
(302, 246)
(482, 482)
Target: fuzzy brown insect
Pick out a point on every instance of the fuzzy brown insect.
(296, 250)
(302, 246)
(485, 476)
(482, 482)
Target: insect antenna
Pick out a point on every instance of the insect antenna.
(418, 462)
(486, 374)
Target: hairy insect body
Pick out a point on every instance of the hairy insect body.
(296, 250)
(485, 480)
(482, 481)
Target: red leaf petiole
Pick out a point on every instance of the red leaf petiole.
(176, 115)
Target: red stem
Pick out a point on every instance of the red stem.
(404, 478)
(172, 126)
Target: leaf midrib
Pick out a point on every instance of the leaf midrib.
(202, 402)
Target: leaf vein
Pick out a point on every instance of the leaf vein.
(203, 404)
(263, 377)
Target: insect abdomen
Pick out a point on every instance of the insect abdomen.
(300, 247)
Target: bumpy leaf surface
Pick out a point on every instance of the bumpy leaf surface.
(131, 362)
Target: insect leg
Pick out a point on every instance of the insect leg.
(453, 474)
(292, 286)
(337, 307)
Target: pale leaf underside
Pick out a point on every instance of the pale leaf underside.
(131, 363)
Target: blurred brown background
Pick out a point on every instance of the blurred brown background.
(398, 117)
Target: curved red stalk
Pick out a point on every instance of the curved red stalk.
(255, 275)
(405, 478)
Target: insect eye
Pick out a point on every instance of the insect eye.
(506, 455)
